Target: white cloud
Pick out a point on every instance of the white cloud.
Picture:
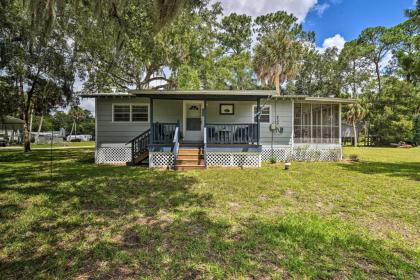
(88, 104)
(336, 41)
(300, 8)
(320, 9)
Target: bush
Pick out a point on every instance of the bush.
(354, 157)
(273, 160)
(76, 140)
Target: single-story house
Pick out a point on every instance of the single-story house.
(347, 133)
(197, 129)
(11, 129)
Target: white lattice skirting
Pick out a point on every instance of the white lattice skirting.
(234, 159)
(161, 159)
(303, 153)
(113, 155)
(122, 155)
(280, 153)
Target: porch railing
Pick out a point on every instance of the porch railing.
(244, 133)
(163, 133)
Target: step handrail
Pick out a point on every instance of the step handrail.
(139, 144)
(176, 143)
(205, 146)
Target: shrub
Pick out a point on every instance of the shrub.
(273, 160)
(354, 157)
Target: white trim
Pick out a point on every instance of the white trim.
(293, 123)
(131, 112)
(269, 114)
(339, 131)
(96, 130)
(184, 115)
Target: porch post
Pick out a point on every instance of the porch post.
(339, 124)
(205, 112)
(258, 120)
(293, 124)
(339, 131)
(151, 121)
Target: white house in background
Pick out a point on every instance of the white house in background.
(198, 129)
(11, 129)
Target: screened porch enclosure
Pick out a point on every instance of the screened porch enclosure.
(316, 123)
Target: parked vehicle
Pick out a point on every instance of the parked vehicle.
(79, 138)
(4, 140)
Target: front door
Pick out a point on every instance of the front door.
(193, 121)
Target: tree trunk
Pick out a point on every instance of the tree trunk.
(354, 82)
(25, 107)
(71, 131)
(26, 133)
(40, 126)
(378, 75)
(277, 82)
(355, 134)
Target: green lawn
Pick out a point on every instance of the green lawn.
(318, 220)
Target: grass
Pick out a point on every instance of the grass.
(316, 221)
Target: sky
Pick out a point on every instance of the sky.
(334, 21)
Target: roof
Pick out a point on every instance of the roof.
(10, 120)
(216, 95)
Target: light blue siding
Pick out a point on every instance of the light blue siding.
(116, 132)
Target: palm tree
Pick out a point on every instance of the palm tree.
(77, 114)
(355, 114)
(277, 58)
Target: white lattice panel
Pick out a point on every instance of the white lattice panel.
(161, 159)
(234, 159)
(308, 153)
(280, 153)
(113, 155)
(302, 153)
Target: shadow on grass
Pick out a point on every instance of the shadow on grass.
(104, 222)
(197, 247)
(410, 170)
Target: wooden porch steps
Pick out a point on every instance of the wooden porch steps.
(140, 157)
(189, 158)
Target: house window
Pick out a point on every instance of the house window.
(316, 123)
(121, 113)
(264, 116)
(130, 113)
(140, 113)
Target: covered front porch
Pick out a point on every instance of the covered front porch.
(226, 125)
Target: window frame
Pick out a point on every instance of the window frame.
(331, 127)
(131, 112)
(253, 113)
